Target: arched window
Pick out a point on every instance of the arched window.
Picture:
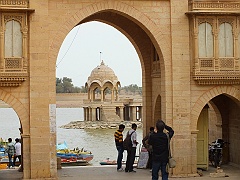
(13, 39)
(225, 40)
(205, 40)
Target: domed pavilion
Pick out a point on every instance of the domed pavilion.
(103, 103)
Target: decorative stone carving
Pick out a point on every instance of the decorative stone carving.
(222, 66)
(14, 3)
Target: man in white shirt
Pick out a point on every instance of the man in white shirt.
(131, 153)
(18, 151)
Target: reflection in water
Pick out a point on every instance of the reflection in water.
(100, 141)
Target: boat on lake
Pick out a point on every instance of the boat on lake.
(75, 157)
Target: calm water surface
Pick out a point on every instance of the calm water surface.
(100, 141)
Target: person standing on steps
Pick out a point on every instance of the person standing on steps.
(18, 151)
(159, 142)
(10, 151)
(148, 147)
(131, 153)
(119, 145)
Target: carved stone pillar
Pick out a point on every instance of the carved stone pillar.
(216, 46)
(102, 95)
(85, 114)
(93, 112)
(112, 95)
(195, 39)
(1, 49)
(121, 113)
(134, 113)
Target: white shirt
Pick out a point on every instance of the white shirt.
(18, 148)
(133, 137)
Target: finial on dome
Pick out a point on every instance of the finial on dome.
(102, 63)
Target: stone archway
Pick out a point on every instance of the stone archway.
(221, 98)
(142, 32)
(23, 115)
(206, 97)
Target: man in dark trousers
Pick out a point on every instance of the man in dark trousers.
(119, 145)
(159, 142)
(131, 153)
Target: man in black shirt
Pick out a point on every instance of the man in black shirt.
(159, 142)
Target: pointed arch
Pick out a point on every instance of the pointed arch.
(230, 91)
(18, 108)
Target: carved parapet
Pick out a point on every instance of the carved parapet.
(14, 3)
(209, 77)
(197, 5)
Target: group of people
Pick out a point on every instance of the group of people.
(157, 144)
(13, 151)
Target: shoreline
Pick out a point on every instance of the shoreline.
(78, 124)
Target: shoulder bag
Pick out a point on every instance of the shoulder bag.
(171, 160)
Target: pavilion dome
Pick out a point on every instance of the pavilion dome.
(102, 74)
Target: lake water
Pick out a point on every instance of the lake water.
(100, 141)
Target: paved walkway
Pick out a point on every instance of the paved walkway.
(110, 173)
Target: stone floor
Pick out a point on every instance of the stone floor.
(110, 173)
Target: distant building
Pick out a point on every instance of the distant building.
(104, 103)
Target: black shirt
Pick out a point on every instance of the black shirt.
(159, 142)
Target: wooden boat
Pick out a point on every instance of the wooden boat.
(108, 162)
(75, 157)
(73, 162)
(112, 162)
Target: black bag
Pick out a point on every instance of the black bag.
(127, 143)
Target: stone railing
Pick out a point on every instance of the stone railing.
(195, 5)
(14, 3)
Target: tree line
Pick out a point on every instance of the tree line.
(65, 85)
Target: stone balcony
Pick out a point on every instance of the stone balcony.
(13, 72)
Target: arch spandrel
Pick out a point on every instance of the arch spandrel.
(230, 91)
(18, 107)
(120, 8)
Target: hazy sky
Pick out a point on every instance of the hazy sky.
(80, 54)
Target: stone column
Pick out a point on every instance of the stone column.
(121, 113)
(140, 112)
(26, 161)
(102, 95)
(112, 96)
(85, 113)
(90, 113)
(134, 113)
(236, 49)
(1, 50)
(24, 48)
(216, 46)
(93, 112)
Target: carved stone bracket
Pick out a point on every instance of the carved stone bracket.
(12, 80)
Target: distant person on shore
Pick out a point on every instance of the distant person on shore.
(119, 145)
(10, 151)
(18, 151)
(159, 142)
(148, 147)
(131, 153)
